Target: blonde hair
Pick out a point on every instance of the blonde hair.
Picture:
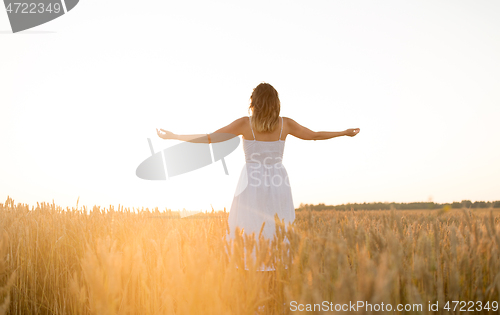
(265, 105)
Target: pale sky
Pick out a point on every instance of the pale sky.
(80, 95)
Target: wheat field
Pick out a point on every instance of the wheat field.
(123, 261)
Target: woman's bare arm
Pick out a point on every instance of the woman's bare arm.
(304, 133)
(230, 131)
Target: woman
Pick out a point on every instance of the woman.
(263, 190)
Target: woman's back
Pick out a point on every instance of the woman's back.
(264, 151)
(279, 133)
(263, 190)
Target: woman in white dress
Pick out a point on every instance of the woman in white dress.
(264, 188)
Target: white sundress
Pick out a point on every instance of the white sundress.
(263, 189)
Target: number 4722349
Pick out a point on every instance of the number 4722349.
(470, 306)
(19, 7)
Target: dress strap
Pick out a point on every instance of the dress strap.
(251, 127)
(281, 126)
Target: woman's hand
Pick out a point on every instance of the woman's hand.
(351, 132)
(164, 134)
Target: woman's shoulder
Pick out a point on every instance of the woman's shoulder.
(287, 120)
(241, 120)
(289, 124)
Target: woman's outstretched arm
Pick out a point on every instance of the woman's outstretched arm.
(304, 133)
(230, 131)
